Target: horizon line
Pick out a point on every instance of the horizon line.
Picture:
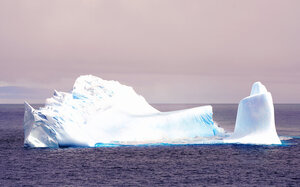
(157, 103)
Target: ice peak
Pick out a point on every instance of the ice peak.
(56, 93)
(258, 88)
(28, 107)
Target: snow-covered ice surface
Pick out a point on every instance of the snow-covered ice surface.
(106, 113)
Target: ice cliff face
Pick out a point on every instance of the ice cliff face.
(106, 112)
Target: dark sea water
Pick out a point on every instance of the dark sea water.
(184, 165)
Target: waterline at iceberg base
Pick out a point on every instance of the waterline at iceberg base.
(106, 113)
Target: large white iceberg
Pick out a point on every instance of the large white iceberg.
(99, 112)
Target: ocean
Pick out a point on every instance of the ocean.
(176, 165)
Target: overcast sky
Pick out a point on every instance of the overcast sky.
(169, 51)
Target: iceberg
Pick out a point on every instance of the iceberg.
(255, 121)
(99, 113)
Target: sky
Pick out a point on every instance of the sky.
(169, 51)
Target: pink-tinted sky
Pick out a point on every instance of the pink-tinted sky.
(170, 51)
